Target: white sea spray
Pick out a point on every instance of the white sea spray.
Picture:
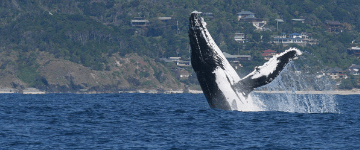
(283, 95)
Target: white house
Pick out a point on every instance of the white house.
(239, 37)
(301, 39)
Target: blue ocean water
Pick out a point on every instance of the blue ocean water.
(161, 121)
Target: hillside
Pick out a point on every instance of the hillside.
(51, 74)
(65, 46)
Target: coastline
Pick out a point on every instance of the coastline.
(36, 91)
(336, 92)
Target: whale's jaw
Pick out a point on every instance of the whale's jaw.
(221, 85)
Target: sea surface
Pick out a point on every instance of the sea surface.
(167, 121)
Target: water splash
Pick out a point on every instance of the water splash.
(282, 94)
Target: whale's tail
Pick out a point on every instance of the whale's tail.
(268, 72)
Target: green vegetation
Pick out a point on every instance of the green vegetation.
(149, 83)
(28, 70)
(88, 32)
(144, 74)
(116, 74)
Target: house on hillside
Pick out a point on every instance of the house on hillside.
(354, 70)
(164, 19)
(333, 26)
(246, 16)
(260, 25)
(354, 50)
(177, 61)
(298, 20)
(183, 63)
(301, 39)
(237, 58)
(267, 54)
(337, 73)
(175, 58)
(239, 37)
(244, 57)
(139, 22)
(297, 35)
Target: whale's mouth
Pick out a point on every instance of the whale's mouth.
(195, 20)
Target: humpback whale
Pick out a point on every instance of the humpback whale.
(221, 85)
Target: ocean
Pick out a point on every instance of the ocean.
(169, 121)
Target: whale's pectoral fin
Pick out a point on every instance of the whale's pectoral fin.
(266, 73)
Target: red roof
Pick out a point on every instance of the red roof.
(269, 51)
(267, 54)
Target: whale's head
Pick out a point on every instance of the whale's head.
(206, 60)
(195, 21)
(205, 54)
